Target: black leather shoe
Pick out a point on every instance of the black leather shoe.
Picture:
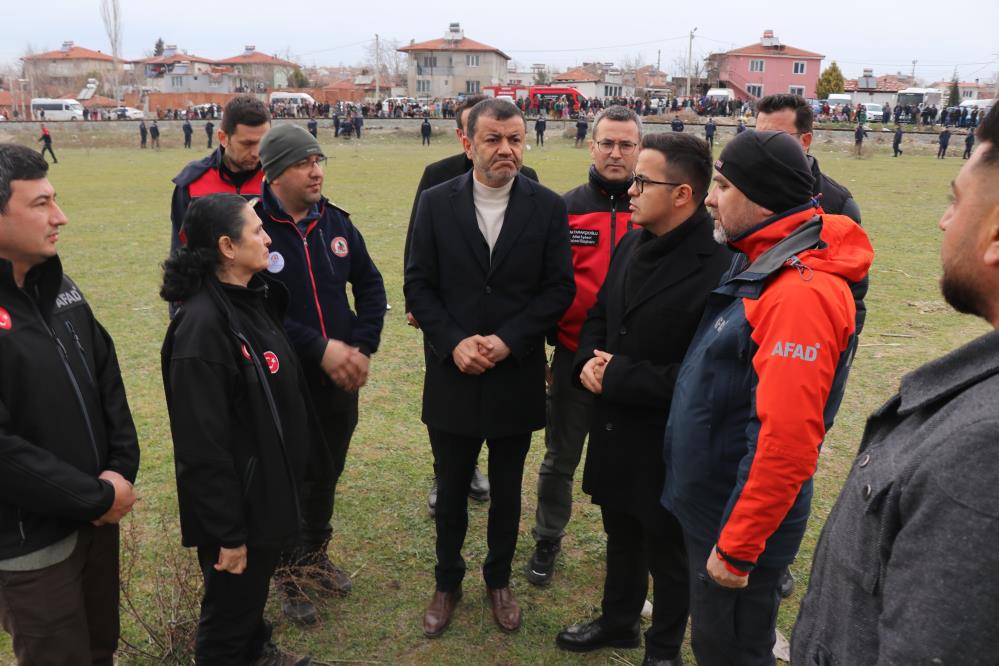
(592, 636)
(541, 568)
(432, 498)
(478, 490)
(659, 661)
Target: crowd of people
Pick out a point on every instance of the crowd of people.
(703, 337)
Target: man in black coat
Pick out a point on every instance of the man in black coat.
(896, 142)
(435, 174)
(630, 350)
(944, 141)
(489, 274)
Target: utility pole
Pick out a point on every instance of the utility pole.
(659, 60)
(914, 71)
(690, 47)
(378, 66)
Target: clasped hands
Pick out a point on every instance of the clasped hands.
(346, 366)
(124, 498)
(478, 353)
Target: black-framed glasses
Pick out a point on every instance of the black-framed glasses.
(309, 162)
(607, 147)
(642, 181)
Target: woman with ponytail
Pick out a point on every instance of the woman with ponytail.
(243, 430)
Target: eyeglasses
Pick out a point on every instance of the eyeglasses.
(642, 181)
(607, 147)
(309, 162)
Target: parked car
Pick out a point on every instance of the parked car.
(127, 113)
(874, 111)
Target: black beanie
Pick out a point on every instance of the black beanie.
(770, 168)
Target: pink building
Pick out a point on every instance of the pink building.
(766, 68)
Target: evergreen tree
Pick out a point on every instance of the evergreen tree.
(830, 81)
(158, 49)
(954, 98)
(298, 79)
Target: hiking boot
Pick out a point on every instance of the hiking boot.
(275, 656)
(296, 606)
(478, 489)
(331, 578)
(786, 584)
(541, 568)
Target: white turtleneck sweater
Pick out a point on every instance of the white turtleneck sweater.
(490, 207)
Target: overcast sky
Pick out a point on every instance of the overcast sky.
(562, 34)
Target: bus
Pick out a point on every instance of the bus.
(46, 108)
(553, 93)
(915, 96)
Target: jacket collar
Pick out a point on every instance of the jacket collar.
(272, 206)
(42, 282)
(606, 188)
(950, 374)
(773, 230)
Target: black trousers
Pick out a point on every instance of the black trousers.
(337, 412)
(637, 547)
(942, 152)
(66, 614)
(48, 147)
(426, 141)
(187, 140)
(232, 630)
(456, 456)
(731, 627)
(540, 139)
(711, 142)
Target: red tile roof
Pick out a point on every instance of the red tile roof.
(886, 83)
(578, 74)
(6, 99)
(463, 44)
(782, 50)
(173, 59)
(74, 53)
(255, 58)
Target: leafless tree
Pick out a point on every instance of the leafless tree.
(391, 63)
(111, 16)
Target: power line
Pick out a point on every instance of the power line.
(598, 48)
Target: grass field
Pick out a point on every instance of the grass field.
(118, 204)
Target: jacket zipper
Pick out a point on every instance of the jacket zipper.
(64, 356)
(613, 238)
(20, 525)
(81, 351)
(312, 277)
(329, 262)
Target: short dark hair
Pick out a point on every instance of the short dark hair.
(688, 159)
(244, 110)
(988, 131)
(466, 103)
(500, 109)
(803, 115)
(18, 162)
(208, 218)
(618, 113)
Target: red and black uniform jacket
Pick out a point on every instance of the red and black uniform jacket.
(761, 384)
(598, 218)
(203, 177)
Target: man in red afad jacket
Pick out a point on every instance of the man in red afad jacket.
(598, 218)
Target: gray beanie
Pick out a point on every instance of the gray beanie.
(285, 145)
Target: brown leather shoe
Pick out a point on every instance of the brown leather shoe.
(438, 614)
(506, 611)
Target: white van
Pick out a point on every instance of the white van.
(56, 109)
(840, 99)
(289, 98)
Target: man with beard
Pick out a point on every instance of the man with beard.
(316, 251)
(489, 275)
(902, 570)
(757, 391)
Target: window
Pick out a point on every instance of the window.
(176, 81)
(612, 91)
(797, 90)
(471, 87)
(471, 61)
(967, 94)
(799, 67)
(429, 61)
(756, 65)
(423, 85)
(755, 89)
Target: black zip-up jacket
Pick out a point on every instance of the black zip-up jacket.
(64, 417)
(243, 427)
(315, 259)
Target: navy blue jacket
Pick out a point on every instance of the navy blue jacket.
(315, 266)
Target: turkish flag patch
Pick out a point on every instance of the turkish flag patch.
(273, 364)
(5, 321)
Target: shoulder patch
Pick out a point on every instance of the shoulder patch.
(69, 295)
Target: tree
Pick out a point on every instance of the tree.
(111, 16)
(298, 79)
(541, 77)
(158, 49)
(830, 81)
(954, 98)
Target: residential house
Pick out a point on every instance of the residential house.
(595, 80)
(876, 89)
(454, 65)
(256, 71)
(765, 68)
(969, 91)
(57, 72)
(175, 71)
